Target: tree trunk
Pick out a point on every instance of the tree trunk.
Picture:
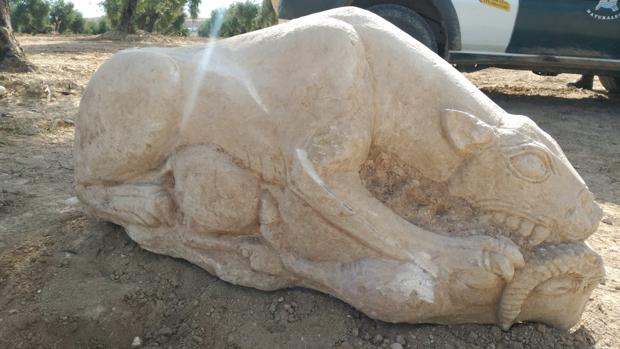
(12, 56)
(126, 25)
(150, 23)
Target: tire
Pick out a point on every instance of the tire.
(408, 21)
(611, 83)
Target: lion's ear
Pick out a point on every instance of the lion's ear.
(465, 132)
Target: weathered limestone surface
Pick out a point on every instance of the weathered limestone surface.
(335, 152)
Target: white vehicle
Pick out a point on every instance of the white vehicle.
(545, 36)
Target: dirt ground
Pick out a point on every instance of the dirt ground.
(69, 281)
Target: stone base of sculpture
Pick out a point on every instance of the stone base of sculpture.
(336, 153)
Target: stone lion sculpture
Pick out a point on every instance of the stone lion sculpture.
(335, 152)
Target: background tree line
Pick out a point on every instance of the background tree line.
(45, 16)
(153, 16)
(168, 17)
(239, 18)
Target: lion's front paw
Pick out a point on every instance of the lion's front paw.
(498, 256)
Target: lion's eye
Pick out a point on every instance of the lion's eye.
(530, 164)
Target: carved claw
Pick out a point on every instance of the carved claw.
(500, 265)
(495, 255)
(498, 255)
(505, 257)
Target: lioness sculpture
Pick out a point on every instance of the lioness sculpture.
(337, 153)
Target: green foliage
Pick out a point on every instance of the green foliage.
(90, 27)
(113, 10)
(266, 16)
(102, 26)
(29, 16)
(239, 18)
(193, 7)
(42, 16)
(207, 28)
(165, 17)
(64, 17)
(77, 25)
(97, 27)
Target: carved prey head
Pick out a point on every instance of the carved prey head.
(518, 176)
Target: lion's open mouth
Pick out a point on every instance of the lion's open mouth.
(519, 226)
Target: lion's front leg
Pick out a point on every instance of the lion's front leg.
(325, 175)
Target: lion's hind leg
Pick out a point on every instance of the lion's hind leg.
(214, 193)
(148, 205)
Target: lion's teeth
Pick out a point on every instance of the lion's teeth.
(521, 226)
(526, 227)
(539, 235)
(513, 222)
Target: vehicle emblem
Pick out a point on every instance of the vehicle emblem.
(605, 10)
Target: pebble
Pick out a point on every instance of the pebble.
(64, 123)
(345, 345)
(401, 340)
(165, 331)
(137, 342)
(377, 340)
(281, 299)
(541, 328)
(2, 91)
(607, 221)
(396, 346)
(496, 332)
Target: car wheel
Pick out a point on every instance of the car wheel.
(408, 21)
(611, 83)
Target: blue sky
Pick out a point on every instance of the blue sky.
(91, 8)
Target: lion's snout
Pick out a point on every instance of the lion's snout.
(583, 218)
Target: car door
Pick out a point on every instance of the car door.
(572, 28)
(486, 25)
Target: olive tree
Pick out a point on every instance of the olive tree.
(29, 16)
(12, 56)
(166, 17)
(239, 18)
